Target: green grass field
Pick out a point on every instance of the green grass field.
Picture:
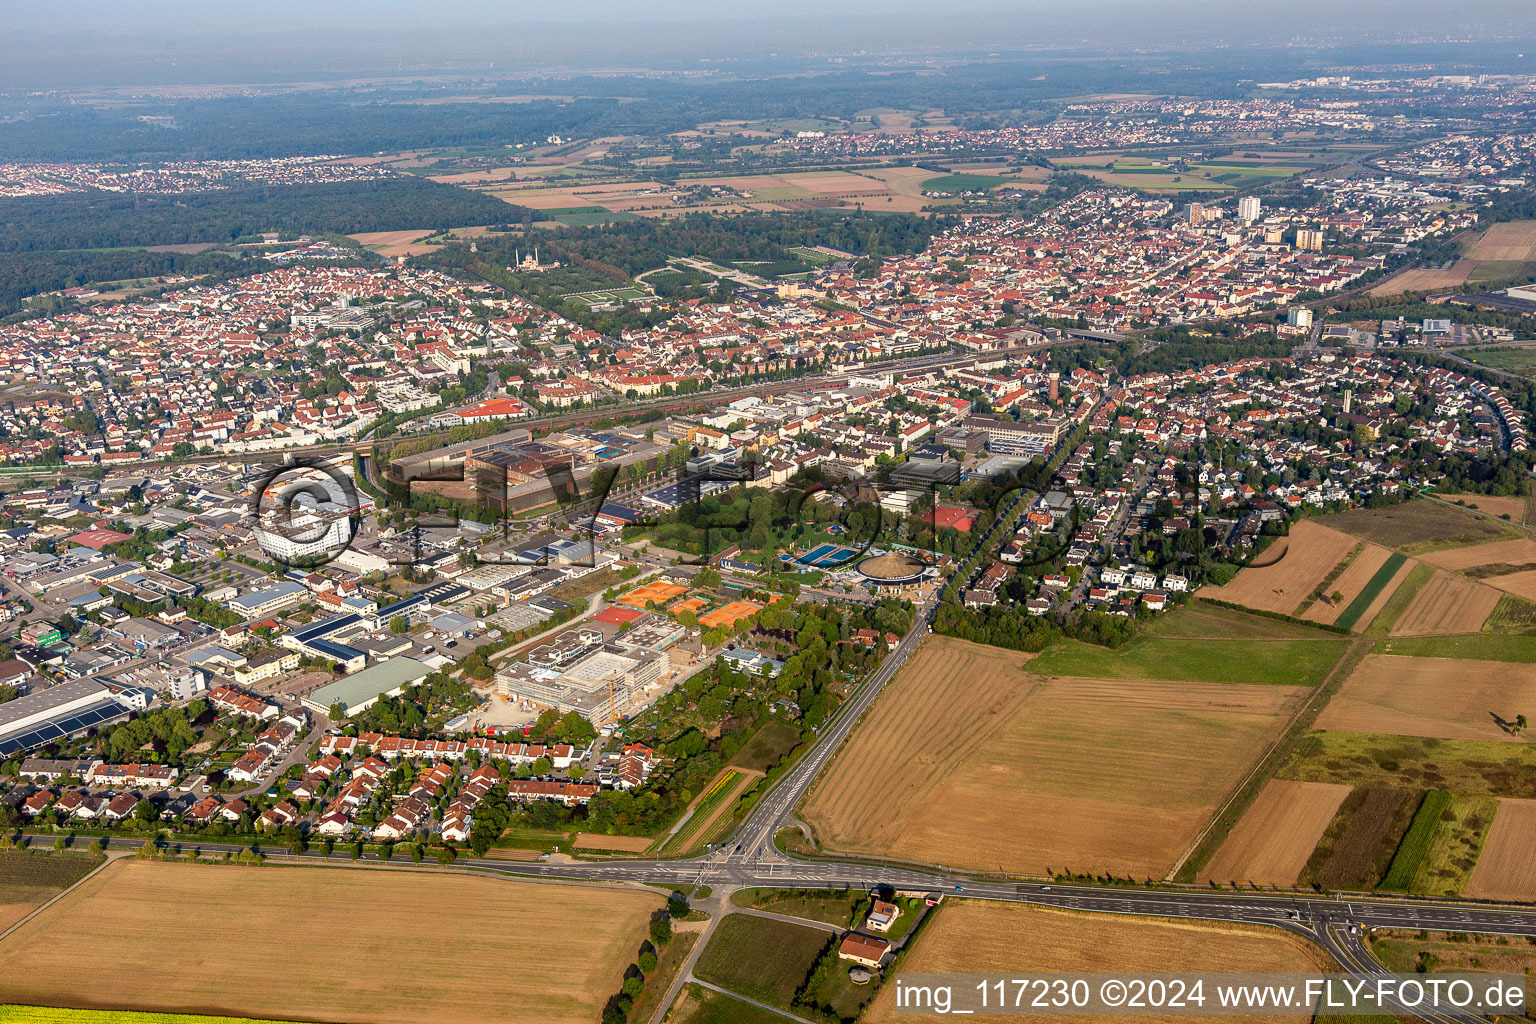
(1371, 591)
(760, 958)
(954, 183)
(825, 905)
(1515, 360)
(1286, 662)
(1415, 845)
(534, 839)
(1477, 646)
(1204, 621)
(585, 216)
(1502, 270)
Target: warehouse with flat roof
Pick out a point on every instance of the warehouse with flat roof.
(358, 692)
(68, 709)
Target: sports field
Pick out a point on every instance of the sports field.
(657, 593)
(970, 936)
(1506, 870)
(1463, 699)
(730, 614)
(1271, 843)
(1310, 553)
(329, 944)
(1111, 775)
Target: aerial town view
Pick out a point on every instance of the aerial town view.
(677, 514)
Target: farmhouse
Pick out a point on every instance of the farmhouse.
(863, 949)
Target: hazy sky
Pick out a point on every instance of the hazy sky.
(106, 40)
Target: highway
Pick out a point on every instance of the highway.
(1336, 923)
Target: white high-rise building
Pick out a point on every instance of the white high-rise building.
(1248, 208)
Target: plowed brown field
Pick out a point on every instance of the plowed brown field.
(1276, 835)
(1506, 870)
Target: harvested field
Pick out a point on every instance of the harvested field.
(1513, 552)
(1310, 553)
(1448, 603)
(272, 913)
(598, 841)
(965, 741)
(1419, 526)
(1423, 280)
(1514, 507)
(1506, 870)
(1357, 847)
(394, 243)
(1518, 584)
(1348, 583)
(1276, 835)
(1432, 697)
(1513, 241)
(978, 936)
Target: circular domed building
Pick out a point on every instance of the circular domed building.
(893, 569)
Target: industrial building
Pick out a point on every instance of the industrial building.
(359, 692)
(58, 712)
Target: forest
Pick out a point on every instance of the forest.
(100, 220)
(24, 274)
